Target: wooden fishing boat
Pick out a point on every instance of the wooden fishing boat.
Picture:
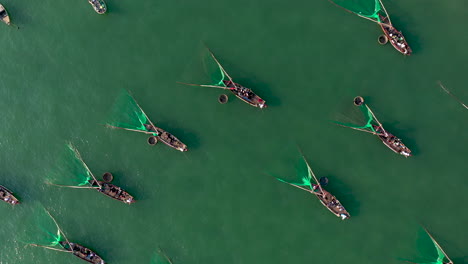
(4, 15)
(330, 202)
(392, 142)
(241, 92)
(82, 252)
(245, 94)
(7, 196)
(99, 6)
(326, 198)
(113, 191)
(396, 38)
(167, 138)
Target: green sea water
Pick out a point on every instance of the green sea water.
(62, 71)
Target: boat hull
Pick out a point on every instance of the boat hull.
(113, 191)
(245, 94)
(4, 15)
(395, 37)
(99, 6)
(167, 138)
(7, 196)
(82, 252)
(392, 142)
(331, 203)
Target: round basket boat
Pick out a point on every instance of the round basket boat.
(222, 99)
(358, 100)
(323, 181)
(152, 140)
(107, 177)
(383, 39)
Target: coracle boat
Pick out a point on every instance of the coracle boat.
(99, 6)
(330, 201)
(167, 138)
(396, 38)
(4, 15)
(113, 191)
(82, 252)
(245, 94)
(392, 142)
(7, 196)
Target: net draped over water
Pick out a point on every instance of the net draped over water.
(303, 175)
(70, 169)
(126, 113)
(366, 8)
(368, 120)
(38, 227)
(428, 250)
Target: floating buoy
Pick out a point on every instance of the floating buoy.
(323, 181)
(152, 140)
(358, 100)
(107, 177)
(383, 39)
(222, 99)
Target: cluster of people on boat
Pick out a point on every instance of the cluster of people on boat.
(397, 38)
(85, 253)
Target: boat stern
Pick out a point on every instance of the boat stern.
(344, 216)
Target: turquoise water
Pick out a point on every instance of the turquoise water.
(66, 65)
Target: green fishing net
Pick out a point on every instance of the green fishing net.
(367, 120)
(37, 227)
(160, 258)
(303, 176)
(429, 251)
(70, 169)
(127, 114)
(365, 8)
(213, 70)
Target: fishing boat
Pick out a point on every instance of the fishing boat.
(330, 202)
(167, 138)
(90, 181)
(325, 197)
(240, 91)
(99, 6)
(78, 250)
(4, 15)
(82, 252)
(375, 11)
(245, 94)
(7, 196)
(133, 118)
(113, 191)
(392, 142)
(396, 38)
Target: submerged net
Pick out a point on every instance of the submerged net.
(368, 120)
(71, 169)
(214, 71)
(366, 8)
(303, 175)
(127, 114)
(38, 228)
(160, 258)
(429, 251)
